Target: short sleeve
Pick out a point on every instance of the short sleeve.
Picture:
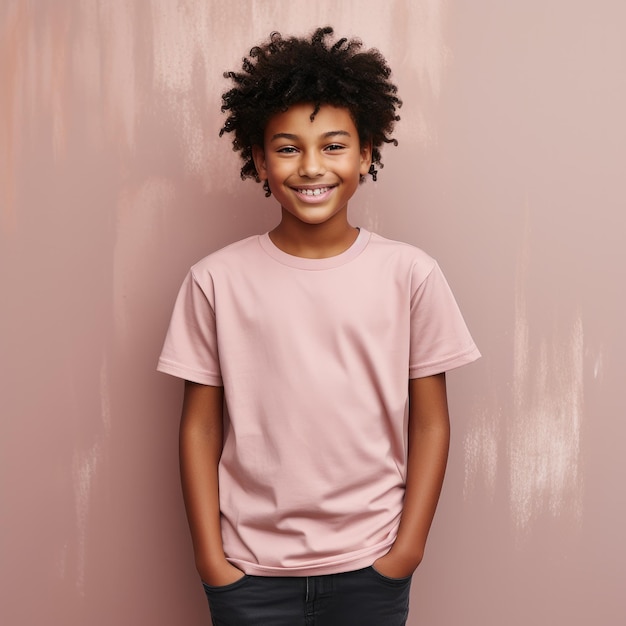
(190, 349)
(440, 339)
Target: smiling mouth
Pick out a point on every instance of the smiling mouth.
(317, 191)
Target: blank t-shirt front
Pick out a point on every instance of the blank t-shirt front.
(315, 357)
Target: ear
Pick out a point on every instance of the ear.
(366, 157)
(258, 156)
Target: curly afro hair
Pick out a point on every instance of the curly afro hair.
(283, 72)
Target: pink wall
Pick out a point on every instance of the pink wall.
(510, 171)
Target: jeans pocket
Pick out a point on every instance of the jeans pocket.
(394, 582)
(210, 589)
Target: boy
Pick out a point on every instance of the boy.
(311, 501)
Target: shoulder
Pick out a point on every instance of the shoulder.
(404, 251)
(403, 255)
(240, 253)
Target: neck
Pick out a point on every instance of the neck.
(313, 241)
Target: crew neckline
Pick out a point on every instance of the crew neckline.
(304, 263)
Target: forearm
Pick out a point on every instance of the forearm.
(426, 468)
(200, 446)
(429, 439)
(198, 470)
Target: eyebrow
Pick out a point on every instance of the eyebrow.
(331, 133)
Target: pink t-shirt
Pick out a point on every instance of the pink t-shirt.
(314, 356)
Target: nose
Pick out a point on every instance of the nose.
(311, 164)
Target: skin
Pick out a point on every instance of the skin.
(321, 154)
(429, 441)
(325, 154)
(200, 447)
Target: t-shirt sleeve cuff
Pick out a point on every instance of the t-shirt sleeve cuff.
(195, 376)
(445, 365)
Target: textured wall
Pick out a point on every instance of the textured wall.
(510, 171)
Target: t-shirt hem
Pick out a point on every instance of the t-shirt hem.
(336, 567)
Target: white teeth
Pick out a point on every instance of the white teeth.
(313, 192)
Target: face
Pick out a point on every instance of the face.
(313, 167)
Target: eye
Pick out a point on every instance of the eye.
(334, 147)
(286, 150)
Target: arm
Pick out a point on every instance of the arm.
(429, 439)
(200, 446)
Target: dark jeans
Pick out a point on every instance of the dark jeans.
(360, 598)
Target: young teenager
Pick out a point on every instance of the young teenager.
(314, 431)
